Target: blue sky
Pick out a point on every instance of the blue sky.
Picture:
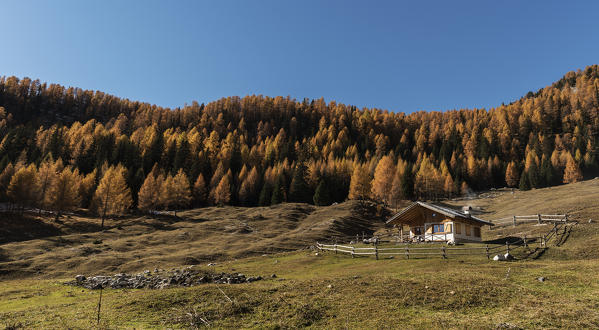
(395, 55)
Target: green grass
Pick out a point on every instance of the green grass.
(363, 293)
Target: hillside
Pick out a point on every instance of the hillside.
(323, 291)
(260, 151)
(198, 236)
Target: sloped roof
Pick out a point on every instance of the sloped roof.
(439, 209)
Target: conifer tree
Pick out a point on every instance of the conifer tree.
(200, 191)
(86, 188)
(222, 194)
(149, 193)
(265, 194)
(359, 186)
(512, 177)
(112, 197)
(22, 189)
(45, 175)
(63, 193)
(299, 191)
(277, 192)
(181, 191)
(322, 196)
(249, 188)
(572, 173)
(383, 180)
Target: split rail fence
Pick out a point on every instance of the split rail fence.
(558, 233)
(538, 218)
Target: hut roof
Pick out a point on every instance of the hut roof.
(439, 209)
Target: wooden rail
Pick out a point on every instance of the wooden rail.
(444, 252)
(538, 218)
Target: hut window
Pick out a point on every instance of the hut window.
(458, 228)
(438, 228)
(476, 231)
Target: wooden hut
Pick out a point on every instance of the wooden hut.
(433, 223)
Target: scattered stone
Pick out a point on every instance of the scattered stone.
(316, 254)
(508, 256)
(276, 261)
(211, 264)
(273, 276)
(452, 292)
(160, 279)
(330, 286)
(590, 220)
(541, 279)
(356, 277)
(426, 286)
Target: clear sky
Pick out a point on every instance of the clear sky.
(396, 55)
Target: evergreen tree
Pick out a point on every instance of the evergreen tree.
(322, 196)
(265, 194)
(524, 182)
(277, 192)
(299, 191)
(149, 194)
(512, 177)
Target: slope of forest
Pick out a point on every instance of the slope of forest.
(62, 148)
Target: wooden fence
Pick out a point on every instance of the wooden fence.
(445, 252)
(538, 218)
(408, 251)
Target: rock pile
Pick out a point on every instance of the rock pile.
(160, 279)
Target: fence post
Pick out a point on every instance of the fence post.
(444, 255)
(538, 218)
(507, 247)
(353, 251)
(525, 244)
(566, 218)
(487, 250)
(357, 238)
(407, 252)
(376, 250)
(514, 221)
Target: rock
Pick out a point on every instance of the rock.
(79, 278)
(499, 257)
(316, 254)
(426, 286)
(273, 276)
(541, 279)
(508, 256)
(211, 264)
(452, 292)
(590, 220)
(330, 286)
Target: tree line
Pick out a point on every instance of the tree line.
(260, 150)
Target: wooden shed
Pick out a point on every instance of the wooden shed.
(433, 223)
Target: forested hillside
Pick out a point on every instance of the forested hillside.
(63, 148)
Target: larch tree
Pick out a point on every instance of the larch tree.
(249, 188)
(222, 193)
(299, 191)
(63, 193)
(46, 173)
(512, 176)
(22, 189)
(572, 173)
(149, 193)
(113, 196)
(181, 191)
(359, 186)
(200, 191)
(322, 195)
(383, 180)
